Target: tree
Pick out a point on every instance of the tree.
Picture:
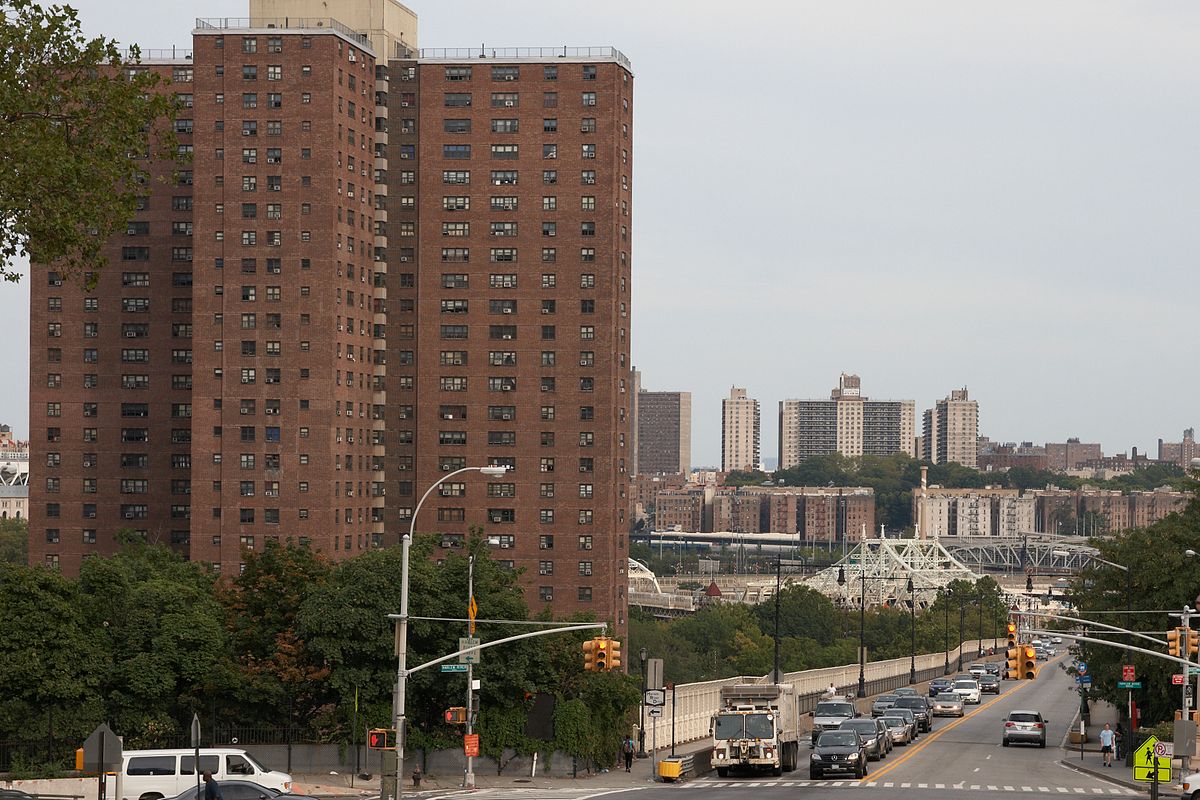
(14, 541)
(75, 124)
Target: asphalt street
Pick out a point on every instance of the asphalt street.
(960, 758)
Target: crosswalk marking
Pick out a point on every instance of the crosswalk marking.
(850, 783)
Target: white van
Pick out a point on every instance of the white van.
(155, 774)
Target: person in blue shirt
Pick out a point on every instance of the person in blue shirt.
(1106, 744)
(212, 791)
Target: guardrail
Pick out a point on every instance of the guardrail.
(695, 703)
(674, 768)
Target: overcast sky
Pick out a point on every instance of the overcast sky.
(1002, 196)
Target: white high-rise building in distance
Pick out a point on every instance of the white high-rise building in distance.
(739, 432)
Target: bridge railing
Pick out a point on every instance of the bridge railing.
(695, 703)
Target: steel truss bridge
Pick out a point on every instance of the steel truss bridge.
(1038, 553)
(877, 572)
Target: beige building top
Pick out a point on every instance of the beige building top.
(385, 22)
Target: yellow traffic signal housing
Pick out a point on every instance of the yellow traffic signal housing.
(456, 715)
(614, 654)
(1014, 663)
(1173, 643)
(1029, 667)
(603, 655)
(1193, 642)
(589, 655)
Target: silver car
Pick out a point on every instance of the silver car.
(1024, 726)
(882, 704)
(947, 704)
(899, 729)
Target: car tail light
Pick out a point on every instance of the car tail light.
(1008, 724)
(1038, 725)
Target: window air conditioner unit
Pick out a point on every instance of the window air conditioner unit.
(506, 388)
(131, 334)
(510, 77)
(508, 103)
(506, 416)
(584, 363)
(352, 58)
(507, 336)
(445, 467)
(508, 310)
(278, 48)
(447, 416)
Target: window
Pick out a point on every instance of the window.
(587, 332)
(550, 100)
(457, 99)
(275, 72)
(507, 151)
(585, 594)
(589, 99)
(587, 125)
(460, 151)
(585, 542)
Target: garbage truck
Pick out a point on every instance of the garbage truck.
(757, 728)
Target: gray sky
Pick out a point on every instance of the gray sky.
(930, 194)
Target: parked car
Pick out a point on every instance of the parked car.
(907, 715)
(948, 704)
(899, 729)
(920, 708)
(840, 752)
(243, 790)
(939, 685)
(968, 690)
(154, 774)
(1056, 640)
(1024, 726)
(989, 684)
(882, 704)
(869, 731)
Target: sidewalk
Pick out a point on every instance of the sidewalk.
(1092, 762)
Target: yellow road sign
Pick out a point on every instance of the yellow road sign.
(1145, 763)
(472, 612)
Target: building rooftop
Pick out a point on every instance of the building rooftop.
(547, 54)
(318, 24)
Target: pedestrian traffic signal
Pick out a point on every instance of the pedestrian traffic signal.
(1193, 642)
(614, 654)
(1173, 641)
(1029, 667)
(381, 739)
(456, 715)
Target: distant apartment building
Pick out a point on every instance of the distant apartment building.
(1090, 510)
(939, 512)
(739, 432)
(952, 431)
(1071, 454)
(664, 432)
(846, 423)
(14, 476)
(995, 457)
(1179, 453)
(817, 514)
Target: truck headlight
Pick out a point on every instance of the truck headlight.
(816, 756)
(852, 757)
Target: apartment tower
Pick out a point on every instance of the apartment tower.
(509, 223)
(952, 431)
(739, 432)
(847, 423)
(664, 440)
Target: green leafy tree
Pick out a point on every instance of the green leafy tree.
(276, 668)
(74, 126)
(14, 541)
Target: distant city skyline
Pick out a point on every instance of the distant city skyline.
(928, 193)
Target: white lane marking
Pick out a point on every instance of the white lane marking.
(974, 787)
(1044, 789)
(1061, 790)
(906, 786)
(610, 791)
(976, 769)
(889, 785)
(922, 785)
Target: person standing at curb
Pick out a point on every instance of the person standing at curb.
(627, 752)
(1106, 744)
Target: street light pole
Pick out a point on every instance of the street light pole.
(642, 728)
(961, 632)
(862, 620)
(398, 718)
(946, 630)
(912, 652)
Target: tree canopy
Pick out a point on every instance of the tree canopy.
(76, 125)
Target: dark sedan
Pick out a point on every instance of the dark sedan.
(838, 751)
(989, 684)
(920, 708)
(939, 685)
(875, 739)
(243, 790)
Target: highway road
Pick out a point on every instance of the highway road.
(960, 758)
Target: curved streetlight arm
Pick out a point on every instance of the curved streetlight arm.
(1089, 622)
(1089, 556)
(412, 523)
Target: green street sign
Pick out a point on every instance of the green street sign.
(1193, 671)
(454, 667)
(1129, 684)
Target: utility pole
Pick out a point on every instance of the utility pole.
(778, 674)
(469, 775)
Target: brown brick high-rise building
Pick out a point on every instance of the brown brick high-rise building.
(509, 215)
(110, 375)
(403, 263)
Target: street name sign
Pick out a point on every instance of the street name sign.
(454, 667)
(656, 697)
(1129, 684)
(1146, 763)
(468, 658)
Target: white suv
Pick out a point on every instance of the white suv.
(968, 690)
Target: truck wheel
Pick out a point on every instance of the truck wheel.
(722, 772)
(777, 771)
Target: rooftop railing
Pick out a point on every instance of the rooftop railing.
(282, 23)
(532, 53)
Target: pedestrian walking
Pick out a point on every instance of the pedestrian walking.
(1106, 744)
(627, 752)
(212, 790)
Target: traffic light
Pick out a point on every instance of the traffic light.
(381, 739)
(1028, 663)
(614, 654)
(1193, 642)
(1013, 653)
(1173, 643)
(456, 715)
(602, 654)
(589, 655)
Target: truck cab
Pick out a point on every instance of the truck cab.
(757, 728)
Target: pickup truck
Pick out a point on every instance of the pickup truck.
(830, 714)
